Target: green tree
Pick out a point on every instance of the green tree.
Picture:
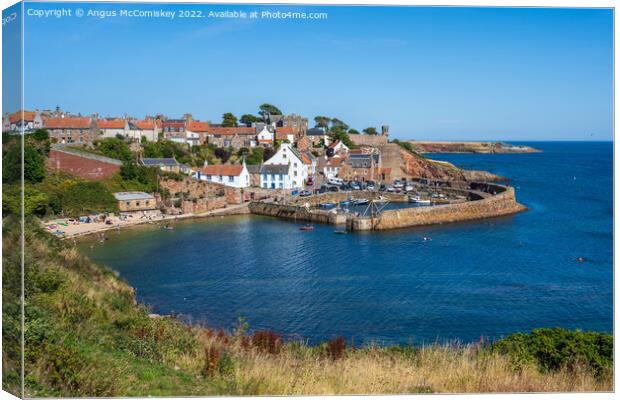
(41, 135)
(343, 136)
(268, 109)
(370, 130)
(353, 132)
(114, 148)
(338, 125)
(229, 120)
(34, 164)
(248, 119)
(321, 121)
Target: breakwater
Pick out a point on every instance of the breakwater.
(483, 200)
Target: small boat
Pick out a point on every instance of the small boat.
(418, 200)
(345, 203)
(340, 232)
(381, 199)
(306, 228)
(361, 202)
(327, 205)
(168, 228)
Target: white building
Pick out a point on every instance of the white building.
(109, 128)
(229, 175)
(287, 154)
(28, 120)
(276, 176)
(265, 136)
(147, 128)
(332, 167)
(339, 148)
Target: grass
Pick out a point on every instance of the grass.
(87, 336)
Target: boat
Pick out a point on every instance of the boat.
(340, 232)
(381, 199)
(361, 202)
(345, 203)
(418, 200)
(306, 228)
(327, 205)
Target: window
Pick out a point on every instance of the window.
(147, 202)
(295, 165)
(295, 173)
(231, 179)
(137, 204)
(265, 177)
(284, 155)
(127, 203)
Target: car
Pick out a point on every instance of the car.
(335, 181)
(354, 185)
(409, 188)
(390, 189)
(305, 193)
(382, 187)
(398, 183)
(333, 188)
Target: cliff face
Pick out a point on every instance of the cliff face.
(405, 164)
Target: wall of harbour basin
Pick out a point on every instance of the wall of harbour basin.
(486, 200)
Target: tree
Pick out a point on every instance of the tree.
(370, 131)
(249, 119)
(353, 132)
(321, 121)
(41, 135)
(338, 125)
(268, 109)
(114, 148)
(34, 168)
(229, 120)
(343, 136)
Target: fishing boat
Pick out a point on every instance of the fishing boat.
(361, 202)
(418, 200)
(306, 228)
(381, 199)
(327, 205)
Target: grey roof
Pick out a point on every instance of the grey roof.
(360, 160)
(277, 169)
(315, 132)
(159, 162)
(253, 169)
(124, 196)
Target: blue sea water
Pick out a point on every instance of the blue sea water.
(488, 278)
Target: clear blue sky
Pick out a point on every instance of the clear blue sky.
(429, 73)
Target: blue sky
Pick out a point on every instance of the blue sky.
(429, 73)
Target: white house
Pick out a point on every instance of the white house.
(339, 148)
(28, 120)
(109, 128)
(276, 176)
(332, 167)
(229, 175)
(265, 136)
(287, 154)
(147, 128)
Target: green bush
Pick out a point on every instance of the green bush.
(555, 348)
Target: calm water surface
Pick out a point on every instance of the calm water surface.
(488, 278)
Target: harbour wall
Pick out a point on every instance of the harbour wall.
(499, 204)
(486, 200)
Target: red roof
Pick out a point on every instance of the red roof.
(18, 116)
(281, 136)
(241, 130)
(174, 124)
(111, 123)
(145, 125)
(198, 126)
(285, 130)
(335, 162)
(223, 170)
(306, 159)
(68, 123)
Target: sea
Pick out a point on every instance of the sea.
(550, 266)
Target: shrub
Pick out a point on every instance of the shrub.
(556, 348)
(337, 347)
(267, 342)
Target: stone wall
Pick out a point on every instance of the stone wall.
(368, 140)
(500, 204)
(84, 166)
(297, 213)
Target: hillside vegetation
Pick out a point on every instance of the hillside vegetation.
(87, 336)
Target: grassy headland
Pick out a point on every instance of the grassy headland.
(87, 336)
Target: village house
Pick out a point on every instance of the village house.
(333, 166)
(265, 137)
(131, 202)
(285, 133)
(235, 137)
(362, 167)
(304, 143)
(109, 128)
(318, 136)
(310, 160)
(196, 132)
(165, 164)
(297, 123)
(28, 121)
(69, 129)
(287, 154)
(254, 171)
(174, 130)
(276, 176)
(147, 128)
(338, 149)
(229, 175)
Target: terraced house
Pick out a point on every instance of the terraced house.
(27, 120)
(236, 175)
(298, 165)
(69, 129)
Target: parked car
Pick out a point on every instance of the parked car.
(382, 188)
(409, 188)
(398, 183)
(355, 185)
(335, 181)
(370, 186)
(333, 188)
(390, 189)
(305, 193)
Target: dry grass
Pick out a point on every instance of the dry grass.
(302, 370)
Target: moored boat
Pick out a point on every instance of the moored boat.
(361, 202)
(418, 200)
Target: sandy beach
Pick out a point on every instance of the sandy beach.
(67, 228)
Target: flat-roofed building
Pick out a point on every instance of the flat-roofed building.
(129, 202)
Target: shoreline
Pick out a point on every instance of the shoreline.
(86, 229)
